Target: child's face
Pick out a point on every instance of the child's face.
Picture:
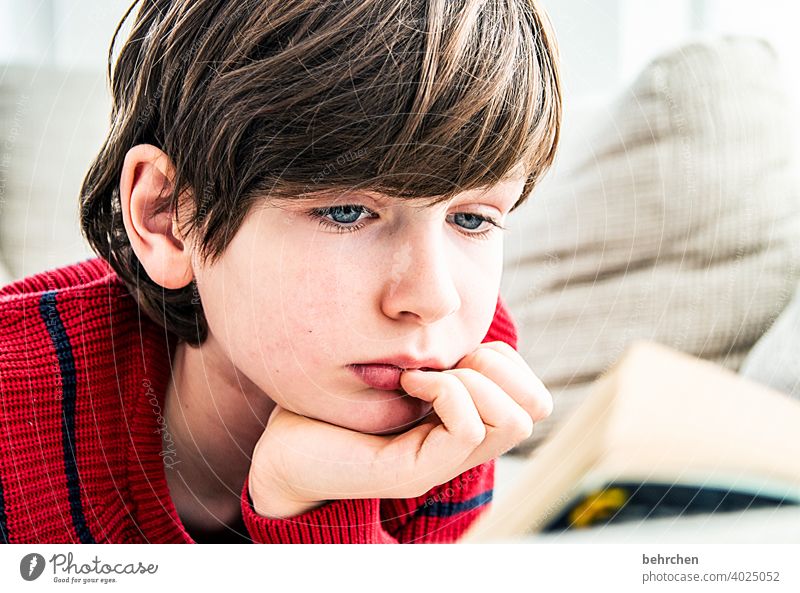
(292, 302)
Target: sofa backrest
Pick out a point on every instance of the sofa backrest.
(52, 123)
(675, 219)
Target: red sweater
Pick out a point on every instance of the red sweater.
(82, 380)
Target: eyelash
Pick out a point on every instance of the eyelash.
(319, 214)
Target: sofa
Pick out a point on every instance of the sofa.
(672, 212)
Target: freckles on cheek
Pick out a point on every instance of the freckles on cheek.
(303, 311)
(327, 313)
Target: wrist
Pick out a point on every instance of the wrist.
(284, 510)
(271, 503)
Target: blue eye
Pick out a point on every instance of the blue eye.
(341, 217)
(345, 214)
(473, 221)
(346, 219)
(470, 221)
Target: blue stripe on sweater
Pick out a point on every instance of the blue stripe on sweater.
(443, 508)
(3, 518)
(66, 361)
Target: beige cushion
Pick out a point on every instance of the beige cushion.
(52, 123)
(678, 221)
(775, 359)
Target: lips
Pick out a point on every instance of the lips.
(384, 373)
(379, 376)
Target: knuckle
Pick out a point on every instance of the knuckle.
(516, 426)
(538, 403)
(451, 382)
(477, 359)
(522, 426)
(482, 358)
(473, 434)
(503, 346)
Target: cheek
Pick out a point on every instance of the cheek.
(271, 326)
(478, 316)
(479, 291)
(307, 308)
(325, 301)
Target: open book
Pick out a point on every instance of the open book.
(661, 433)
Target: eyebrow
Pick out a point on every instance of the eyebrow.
(420, 202)
(342, 198)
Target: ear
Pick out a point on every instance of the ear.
(146, 181)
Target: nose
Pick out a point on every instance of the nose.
(420, 282)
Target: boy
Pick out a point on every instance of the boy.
(293, 332)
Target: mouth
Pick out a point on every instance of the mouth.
(384, 373)
(380, 376)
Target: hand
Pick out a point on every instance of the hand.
(483, 407)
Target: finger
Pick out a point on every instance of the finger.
(508, 350)
(450, 399)
(462, 428)
(507, 422)
(498, 364)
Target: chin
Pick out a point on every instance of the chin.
(387, 413)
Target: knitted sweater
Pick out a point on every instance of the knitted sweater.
(82, 381)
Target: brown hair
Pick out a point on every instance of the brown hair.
(262, 99)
